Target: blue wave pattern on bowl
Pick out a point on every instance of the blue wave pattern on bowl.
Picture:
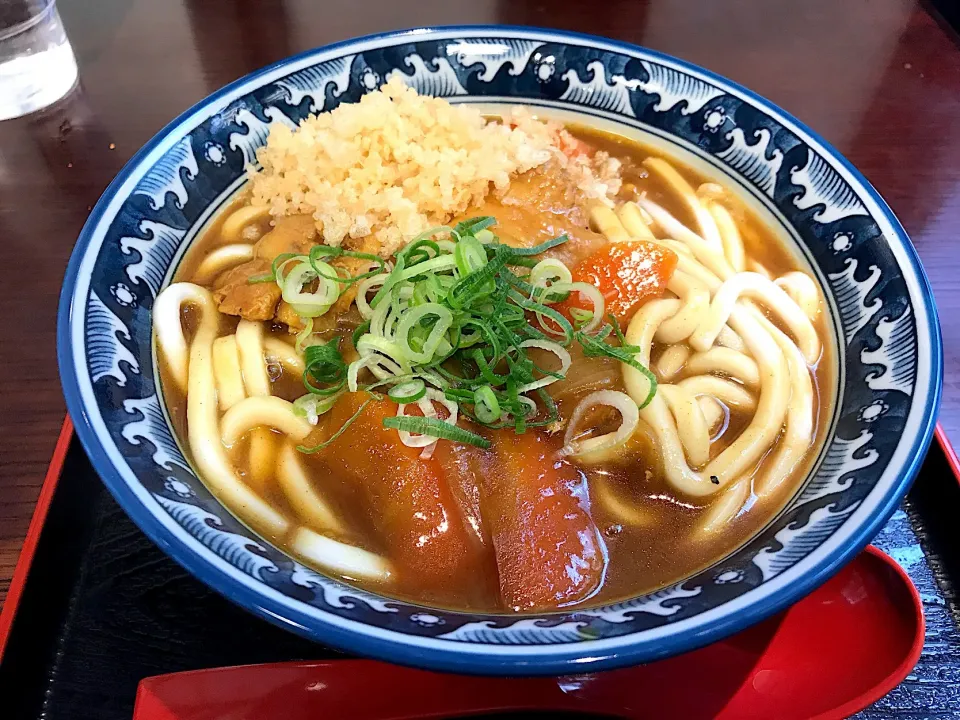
(877, 324)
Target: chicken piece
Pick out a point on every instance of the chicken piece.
(408, 499)
(235, 295)
(539, 205)
(290, 234)
(286, 316)
(549, 551)
(233, 292)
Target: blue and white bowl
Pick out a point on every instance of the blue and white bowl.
(879, 302)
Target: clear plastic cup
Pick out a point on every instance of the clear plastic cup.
(37, 66)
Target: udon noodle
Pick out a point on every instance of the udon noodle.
(711, 299)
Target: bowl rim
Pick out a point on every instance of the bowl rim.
(394, 646)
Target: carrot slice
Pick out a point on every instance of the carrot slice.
(408, 499)
(627, 274)
(549, 552)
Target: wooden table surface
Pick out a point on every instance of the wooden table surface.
(880, 79)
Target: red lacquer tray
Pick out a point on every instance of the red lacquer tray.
(94, 607)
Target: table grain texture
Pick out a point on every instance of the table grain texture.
(879, 79)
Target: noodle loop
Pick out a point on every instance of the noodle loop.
(768, 372)
(773, 296)
(208, 452)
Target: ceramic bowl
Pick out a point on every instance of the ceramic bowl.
(879, 303)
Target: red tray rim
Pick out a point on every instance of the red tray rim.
(52, 477)
(32, 538)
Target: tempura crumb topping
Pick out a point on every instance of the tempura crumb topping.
(397, 163)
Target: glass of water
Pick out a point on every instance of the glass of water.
(37, 66)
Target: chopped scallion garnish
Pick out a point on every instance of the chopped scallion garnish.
(485, 404)
(595, 346)
(454, 321)
(580, 317)
(325, 372)
(408, 391)
(338, 433)
(436, 428)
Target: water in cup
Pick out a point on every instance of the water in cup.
(37, 66)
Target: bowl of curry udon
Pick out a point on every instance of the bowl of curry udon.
(499, 350)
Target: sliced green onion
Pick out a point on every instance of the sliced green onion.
(382, 368)
(486, 332)
(271, 276)
(311, 406)
(412, 319)
(455, 298)
(592, 293)
(408, 392)
(516, 408)
(436, 428)
(433, 265)
(433, 379)
(446, 246)
(459, 396)
(548, 402)
(309, 304)
(427, 377)
(529, 404)
(474, 225)
(537, 249)
(338, 433)
(548, 278)
(594, 346)
(392, 279)
(304, 334)
(426, 405)
(359, 332)
(473, 285)
(581, 317)
(556, 349)
(541, 310)
(470, 255)
(429, 233)
(486, 372)
(393, 380)
(485, 404)
(364, 288)
(369, 344)
(615, 324)
(333, 252)
(420, 250)
(324, 365)
(518, 282)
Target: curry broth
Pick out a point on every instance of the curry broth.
(659, 547)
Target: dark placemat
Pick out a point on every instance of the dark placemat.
(948, 11)
(126, 611)
(104, 608)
